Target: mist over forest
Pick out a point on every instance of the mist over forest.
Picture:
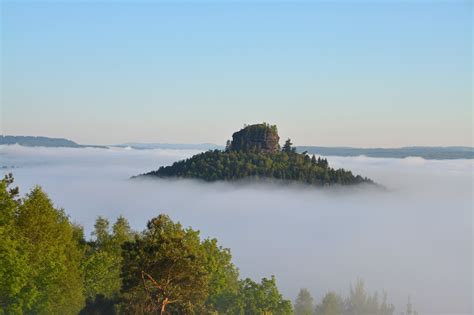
(413, 238)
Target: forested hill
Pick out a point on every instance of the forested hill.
(31, 141)
(255, 153)
(429, 153)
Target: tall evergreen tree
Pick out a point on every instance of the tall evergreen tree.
(287, 147)
(54, 256)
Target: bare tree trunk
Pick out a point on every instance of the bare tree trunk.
(163, 306)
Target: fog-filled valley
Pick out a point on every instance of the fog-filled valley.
(413, 238)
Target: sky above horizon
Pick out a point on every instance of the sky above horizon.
(343, 73)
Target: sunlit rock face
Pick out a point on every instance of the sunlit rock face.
(261, 137)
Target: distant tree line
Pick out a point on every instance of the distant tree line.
(38, 141)
(359, 302)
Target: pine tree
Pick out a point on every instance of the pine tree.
(287, 147)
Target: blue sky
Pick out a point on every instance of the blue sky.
(352, 73)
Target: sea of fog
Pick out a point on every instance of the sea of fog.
(412, 239)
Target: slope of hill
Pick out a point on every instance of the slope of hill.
(31, 141)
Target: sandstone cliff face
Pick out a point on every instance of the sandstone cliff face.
(259, 137)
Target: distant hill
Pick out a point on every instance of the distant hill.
(31, 141)
(254, 153)
(429, 153)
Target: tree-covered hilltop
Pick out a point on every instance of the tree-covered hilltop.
(254, 153)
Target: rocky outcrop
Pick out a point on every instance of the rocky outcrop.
(258, 137)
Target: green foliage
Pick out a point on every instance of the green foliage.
(55, 255)
(254, 153)
(168, 268)
(121, 233)
(47, 267)
(358, 303)
(304, 303)
(103, 262)
(332, 304)
(259, 165)
(101, 233)
(223, 277)
(262, 298)
(16, 294)
(288, 147)
(164, 269)
(39, 256)
(101, 275)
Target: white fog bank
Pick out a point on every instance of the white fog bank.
(413, 239)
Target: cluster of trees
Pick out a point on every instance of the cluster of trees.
(48, 267)
(255, 153)
(359, 302)
(286, 165)
(40, 255)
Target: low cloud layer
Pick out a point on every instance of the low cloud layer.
(413, 239)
